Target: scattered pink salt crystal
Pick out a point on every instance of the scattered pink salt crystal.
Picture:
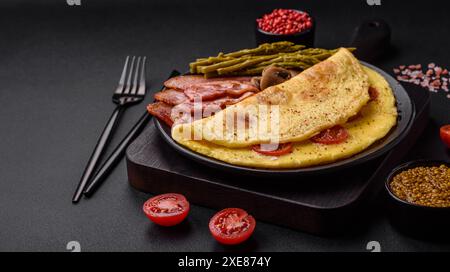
(435, 78)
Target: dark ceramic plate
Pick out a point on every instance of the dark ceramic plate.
(406, 114)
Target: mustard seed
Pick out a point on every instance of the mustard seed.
(426, 186)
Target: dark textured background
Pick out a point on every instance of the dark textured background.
(60, 64)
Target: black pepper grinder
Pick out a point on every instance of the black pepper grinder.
(372, 39)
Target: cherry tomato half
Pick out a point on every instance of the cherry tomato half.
(281, 150)
(167, 209)
(334, 135)
(373, 93)
(232, 226)
(445, 134)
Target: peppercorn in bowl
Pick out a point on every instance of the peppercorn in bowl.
(419, 197)
(285, 25)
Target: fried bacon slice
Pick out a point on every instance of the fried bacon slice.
(183, 82)
(183, 112)
(213, 90)
(162, 111)
(171, 97)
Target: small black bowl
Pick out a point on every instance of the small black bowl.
(417, 220)
(305, 37)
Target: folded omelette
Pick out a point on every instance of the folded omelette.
(323, 96)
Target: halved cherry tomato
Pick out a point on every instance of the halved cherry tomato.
(281, 150)
(445, 134)
(373, 93)
(334, 135)
(232, 226)
(166, 209)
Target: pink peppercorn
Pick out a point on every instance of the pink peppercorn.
(285, 21)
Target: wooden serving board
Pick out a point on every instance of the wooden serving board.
(319, 204)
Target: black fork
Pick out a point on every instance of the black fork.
(131, 90)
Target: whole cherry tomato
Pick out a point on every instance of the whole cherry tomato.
(445, 134)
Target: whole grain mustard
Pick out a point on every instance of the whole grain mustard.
(426, 186)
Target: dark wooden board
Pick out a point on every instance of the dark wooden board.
(319, 204)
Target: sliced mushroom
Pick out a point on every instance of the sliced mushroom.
(273, 75)
(294, 72)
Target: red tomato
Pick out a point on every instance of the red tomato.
(232, 226)
(281, 150)
(334, 135)
(445, 134)
(373, 93)
(167, 209)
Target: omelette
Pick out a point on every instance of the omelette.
(325, 95)
(366, 120)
